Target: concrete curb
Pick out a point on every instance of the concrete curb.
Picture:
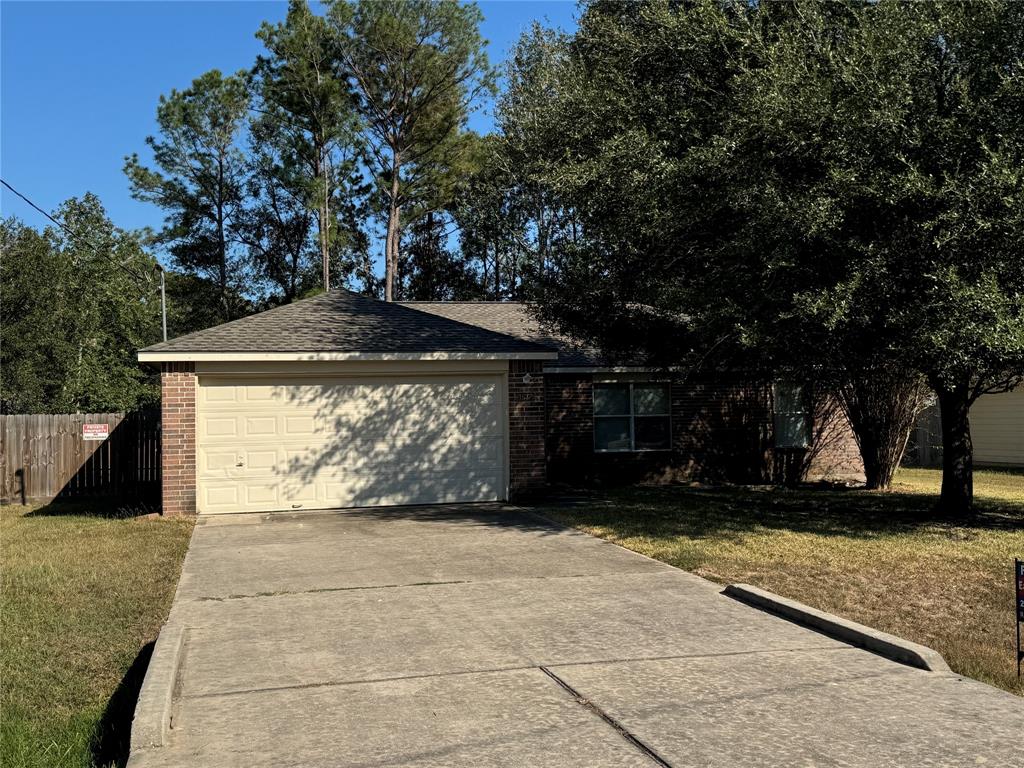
(152, 722)
(882, 643)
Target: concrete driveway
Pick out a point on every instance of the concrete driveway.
(483, 636)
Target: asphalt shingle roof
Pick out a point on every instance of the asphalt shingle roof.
(513, 319)
(342, 321)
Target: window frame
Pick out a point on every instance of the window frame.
(632, 415)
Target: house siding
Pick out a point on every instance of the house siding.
(178, 438)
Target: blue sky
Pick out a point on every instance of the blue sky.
(79, 83)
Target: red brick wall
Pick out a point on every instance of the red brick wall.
(178, 438)
(721, 431)
(834, 451)
(527, 470)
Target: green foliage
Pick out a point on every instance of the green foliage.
(828, 188)
(884, 155)
(199, 180)
(629, 109)
(431, 271)
(415, 67)
(305, 157)
(74, 315)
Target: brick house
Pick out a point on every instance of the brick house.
(342, 401)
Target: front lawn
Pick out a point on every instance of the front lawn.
(880, 558)
(83, 596)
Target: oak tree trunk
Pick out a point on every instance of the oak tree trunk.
(957, 495)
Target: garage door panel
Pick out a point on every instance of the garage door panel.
(219, 497)
(413, 440)
(300, 426)
(261, 493)
(217, 461)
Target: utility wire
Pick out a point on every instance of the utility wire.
(68, 231)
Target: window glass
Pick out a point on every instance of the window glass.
(650, 399)
(652, 433)
(632, 417)
(611, 433)
(792, 421)
(611, 399)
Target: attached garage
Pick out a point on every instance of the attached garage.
(273, 443)
(345, 401)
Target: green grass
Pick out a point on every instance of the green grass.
(84, 592)
(881, 558)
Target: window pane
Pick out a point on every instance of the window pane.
(611, 433)
(611, 399)
(650, 399)
(652, 433)
(790, 430)
(792, 422)
(788, 397)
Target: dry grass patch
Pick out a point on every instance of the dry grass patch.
(883, 559)
(83, 595)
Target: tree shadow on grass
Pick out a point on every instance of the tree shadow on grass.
(734, 511)
(111, 741)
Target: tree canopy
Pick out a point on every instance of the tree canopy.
(813, 187)
(76, 309)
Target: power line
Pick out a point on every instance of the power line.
(68, 231)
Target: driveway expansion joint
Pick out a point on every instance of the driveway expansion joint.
(546, 668)
(285, 593)
(615, 724)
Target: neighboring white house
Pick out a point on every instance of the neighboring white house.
(997, 430)
(997, 427)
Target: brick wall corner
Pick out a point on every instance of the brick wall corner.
(178, 439)
(527, 463)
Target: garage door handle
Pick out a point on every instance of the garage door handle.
(240, 464)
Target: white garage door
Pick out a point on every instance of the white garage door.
(265, 445)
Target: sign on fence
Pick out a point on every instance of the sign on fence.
(52, 455)
(95, 431)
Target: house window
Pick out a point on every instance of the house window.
(792, 420)
(632, 417)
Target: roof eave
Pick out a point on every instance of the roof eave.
(169, 356)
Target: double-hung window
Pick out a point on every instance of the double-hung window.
(632, 416)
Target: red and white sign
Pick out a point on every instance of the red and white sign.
(95, 431)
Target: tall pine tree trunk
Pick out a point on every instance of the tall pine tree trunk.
(957, 495)
(323, 221)
(394, 234)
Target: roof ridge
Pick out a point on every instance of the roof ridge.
(506, 302)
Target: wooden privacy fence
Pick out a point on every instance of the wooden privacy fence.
(44, 456)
